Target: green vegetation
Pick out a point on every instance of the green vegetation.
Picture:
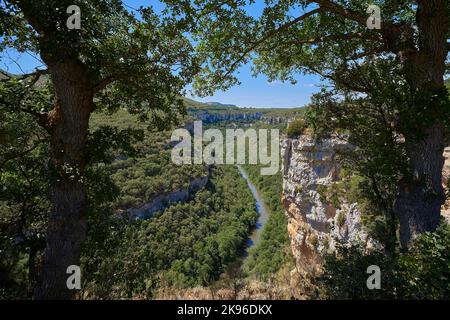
(118, 59)
(188, 244)
(387, 89)
(142, 178)
(194, 107)
(23, 207)
(296, 128)
(420, 273)
(273, 251)
(66, 182)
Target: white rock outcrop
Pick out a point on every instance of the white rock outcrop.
(315, 224)
(446, 179)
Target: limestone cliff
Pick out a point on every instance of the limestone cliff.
(314, 224)
(446, 180)
(310, 166)
(247, 116)
(209, 117)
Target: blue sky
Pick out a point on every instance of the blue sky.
(253, 92)
(257, 92)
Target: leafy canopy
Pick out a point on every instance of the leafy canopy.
(137, 60)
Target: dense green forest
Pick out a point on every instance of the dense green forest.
(189, 244)
(151, 172)
(273, 253)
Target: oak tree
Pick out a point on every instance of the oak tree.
(118, 58)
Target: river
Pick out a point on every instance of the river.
(261, 208)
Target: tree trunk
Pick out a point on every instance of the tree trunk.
(68, 126)
(418, 205)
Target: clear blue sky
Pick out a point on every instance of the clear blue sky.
(253, 92)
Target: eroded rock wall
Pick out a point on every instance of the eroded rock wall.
(314, 224)
(446, 179)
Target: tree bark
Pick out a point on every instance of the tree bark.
(68, 125)
(418, 205)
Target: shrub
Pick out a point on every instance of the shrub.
(298, 189)
(422, 272)
(296, 128)
(340, 220)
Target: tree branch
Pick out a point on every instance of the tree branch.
(339, 10)
(324, 5)
(388, 30)
(36, 75)
(255, 44)
(342, 36)
(102, 84)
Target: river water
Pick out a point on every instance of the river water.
(261, 208)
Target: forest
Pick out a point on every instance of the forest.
(189, 244)
(91, 91)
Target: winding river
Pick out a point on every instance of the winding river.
(261, 208)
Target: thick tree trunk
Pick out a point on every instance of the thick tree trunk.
(419, 202)
(68, 125)
(418, 205)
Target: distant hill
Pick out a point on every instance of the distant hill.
(215, 112)
(4, 74)
(195, 108)
(40, 83)
(220, 104)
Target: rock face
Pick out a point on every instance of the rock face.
(278, 120)
(310, 166)
(209, 118)
(162, 201)
(246, 117)
(314, 225)
(446, 179)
